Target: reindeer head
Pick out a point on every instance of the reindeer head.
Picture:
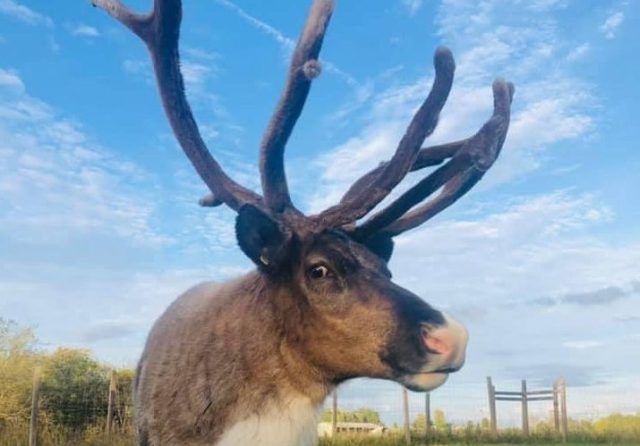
(329, 270)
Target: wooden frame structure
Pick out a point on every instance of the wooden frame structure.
(557, 394)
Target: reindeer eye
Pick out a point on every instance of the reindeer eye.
(319, 271)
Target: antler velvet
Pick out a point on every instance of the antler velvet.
(468, 159)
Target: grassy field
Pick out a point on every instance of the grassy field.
(399, 441)
(582, 435)
(98, 439)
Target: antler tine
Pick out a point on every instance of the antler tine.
(458, 176)
(303, 69)
(422, 125)
(160, 31)
(428, 156)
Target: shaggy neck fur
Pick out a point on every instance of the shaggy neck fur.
(218, 369)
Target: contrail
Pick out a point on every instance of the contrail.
(287, 44)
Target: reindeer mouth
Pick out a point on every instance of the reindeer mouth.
(424, 382)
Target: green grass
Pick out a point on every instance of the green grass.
(94, 436)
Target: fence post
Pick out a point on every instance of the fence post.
(556, 412)
(563, 408)
(35, 406)
(525, 409)
(112, 399)
(492, 405)
(405, 409)
(427, 414)
(334, 414)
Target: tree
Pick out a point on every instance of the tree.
(75, 388)
(362, 415)
(439, 420)
(15, 339)
(420, 423)
(618, 425)
(18, 358)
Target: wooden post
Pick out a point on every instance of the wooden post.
(405, 409)
(427, 414)
(492, 405)
(525, 409)
(334, 414)
(112, 400)
(35, 406)
(563, 408)
(556, 411)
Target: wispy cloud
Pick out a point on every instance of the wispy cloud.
(287, 44)
(10, 79)
(85, 31)
(413, 6)
(57, 184)
(484, 49)
(109, 329)
(579, 52)
(582, 345)
(24, 14)
(136, 66)
(545, 373)
(542, 5)
(610, 26)
(195, 73)
(598, 297)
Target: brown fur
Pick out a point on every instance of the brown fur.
(221, 353)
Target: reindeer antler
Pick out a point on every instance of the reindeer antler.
(303, 69)
(357, 204)
(469, 159)
(160, 31)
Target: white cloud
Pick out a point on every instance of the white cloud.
(112, 306)
(57, 184)
(611, 24)
(485, 267)
(195, 74)
(542, 5)
(23, 13)
(10, 79)
(582, 345)
(413, 6)
(490, 39)
(85, 31)
(201, 54)
(82, 231)
(579, 52)
(135, 66)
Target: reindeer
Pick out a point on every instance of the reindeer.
(250, 362)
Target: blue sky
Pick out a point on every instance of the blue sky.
(99, 227)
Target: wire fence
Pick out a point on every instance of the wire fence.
(98, 405)
(58, 408)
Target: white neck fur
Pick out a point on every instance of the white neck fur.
(292, 422)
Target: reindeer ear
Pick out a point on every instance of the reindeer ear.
(262, 238)
(380, 245)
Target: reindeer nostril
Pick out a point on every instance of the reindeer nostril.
(437, 344)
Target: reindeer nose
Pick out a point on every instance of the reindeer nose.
(439, 341)
(448, 342)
